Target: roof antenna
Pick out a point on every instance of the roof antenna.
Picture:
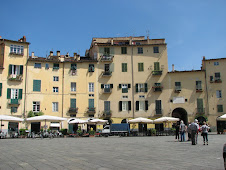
(147, 32)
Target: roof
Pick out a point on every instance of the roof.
(214, 59)
(15, 41)
(186, 71)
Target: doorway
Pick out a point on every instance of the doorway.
(181, 114)
(35, 127)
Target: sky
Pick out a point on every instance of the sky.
(192, 28)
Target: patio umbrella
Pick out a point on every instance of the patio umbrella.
(45, 118)
(97, 121)
(166, 120)
(140, 120)
(78, 121)
(223, 117)
(10, 119)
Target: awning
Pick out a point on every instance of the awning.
(54, 124)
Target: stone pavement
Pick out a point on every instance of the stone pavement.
(102, 153)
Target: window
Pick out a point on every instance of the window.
(125, 97)
(73, 103)
(107, 106)
(73, 86)
(198, 85)
(178, 86)
(55, 78)
(14, 93)
(106, 51)
(36, 106)
(91, 87)
(140, 66)
(156, 49)
(47, 66)
(91, 67)
(217, 76)
(219, 108)
(37, 65)
(141, 105)
(124, 67)
(14, 109)
(200, 108)
(55, 89)
(91, 104)
(56, 66)
(216, 63)
(37, 85)
(123, 50)
(74, 69)
(140, 50)
(158, 106)
(55, 106)
(15, 70)
(156, 66)
(91, 95)
(124, 88)
(124, 105)
(0, 89)
(17, 49)
(141, 87)
(219, 95)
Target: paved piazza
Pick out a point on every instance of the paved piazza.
(111, 153)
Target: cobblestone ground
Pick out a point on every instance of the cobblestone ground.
(111, 153)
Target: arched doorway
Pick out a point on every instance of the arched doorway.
(124, 121)
(181, 114)
(201, 119)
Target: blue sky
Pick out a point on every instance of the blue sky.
(192, 29)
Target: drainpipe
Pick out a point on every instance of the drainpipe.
(62, 93)
(132, 78)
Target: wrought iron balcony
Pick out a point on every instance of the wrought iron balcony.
(12, 77)
(107, 90)
(157, 72)
(106, 58)
(106, 73)
(73, 110)
(91, 110)
(107, 113)
(14, 101)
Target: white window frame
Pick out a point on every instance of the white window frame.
(91, 87)
(124, 86)
(141, 87)
(55, 106)
(36, 106)
(15, 69)
(55, 89)
(107, 86)
(219, 94)
(17, 49)
(73, 86)
(55, 78)
(124, 105)
(216, 63)
(14, 93)
(141, 105)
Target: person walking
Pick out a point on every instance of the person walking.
(177, 127)
(189, 131)
(194, 131)
(204, 131)
(182, 131)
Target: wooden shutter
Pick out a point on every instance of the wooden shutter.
(102, 86)
(156, 66)
(146, 104)
(146, 87)
(112, 67)
(158, 105)
(21, 69)
(199, 103)
(0, 89)
(107, 105)
(129, 105)
(120, 86)
(10, 69)
(136, 87)
(120, 105)
(91, 103)
(73, 103)
(8, 93)
(36, 85)
(111, 86)
(129, 86)
(137, 105)
(20, 93)
(112, 50)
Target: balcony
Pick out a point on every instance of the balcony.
(73, 110)
(199, 89)
(16, 53)
(218, 80)
(106, 73)
(13, 77)
(14, 102)
(106, 58)
(107, 113)
(157, 72)
(91, 110)
(157, 87)
(200, 110)
(107, 90)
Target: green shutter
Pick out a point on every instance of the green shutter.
(146, 87)
(140, 66)
(0, 89)
(124, 67)
(20, 93)
(137, 105)
(156, 66)
(8, 93)
(70, 128)
(73, 103)
(199, 103)
(112, 67)
(129, 105)
(91, 103)
(136, 87)
(36, 85)
(120, 105)
(21, 69)
(10, 69)
(106, 105)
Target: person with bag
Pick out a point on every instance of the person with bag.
(182, 131)
(194, 127)
(204, 133)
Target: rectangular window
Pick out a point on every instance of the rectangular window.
(91, 87)
(124, 67)
(156, 49)
(55, 78)
(47, 66)
(55, 106)
(0, 89)
(74, 69)
(158, 106)
(91, 67)
(73, 103)
(37, 65)
(73, 86)
(124, 105)
(14, 109)
(91, 104)
(56, 66)
(106, 51)
(124, 88)
(140, 66)
(218, 93)
(123, 50)
(36, 106)
(141, 105)
(156, 66)
(140, 50)
(219, 108)
(37, 85)
(198, 85)
(14, 94)
(216, 63)
(200, 108)
(177, 86)
(217, 76)
(55, 89)
(15, 70)
(91, 95)
(106, 105)
(17, 49)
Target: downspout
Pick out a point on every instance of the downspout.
(25, 87)
(62, 93)
(132, 79)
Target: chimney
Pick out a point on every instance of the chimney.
(32, 55)
(24, 38)
(203, 63)
(173, 67)
(75, 56)
(58, 53)
(0, 37)
(51, 53)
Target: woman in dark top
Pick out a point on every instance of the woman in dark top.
(177, 136)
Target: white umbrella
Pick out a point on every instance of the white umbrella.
(10, 119)
(97, 121)
(223, 117)
(78, 121)
(166, 119)
(45, 118)
(141, 120)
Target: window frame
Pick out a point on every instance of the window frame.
(55, 89)
(156, 49)
(140, 50)
(140, 67)
(91, 87)
(124, 67)
(73, 88)
(55, 107)
(38, 65)
(219, 94)
(36, 106)
(123, 50)
(55, 78)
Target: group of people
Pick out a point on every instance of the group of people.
(192, 129)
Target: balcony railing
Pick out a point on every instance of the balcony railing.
(107, 113)
(218, 80)
(200, 110)
(12, 77)
(16, 53)
(106, 58)
(91, 110)
(199, 89)
(157, 88)
(157, 72)
(13, 101)
(73, 110)
(107, 90)
(106, 73)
